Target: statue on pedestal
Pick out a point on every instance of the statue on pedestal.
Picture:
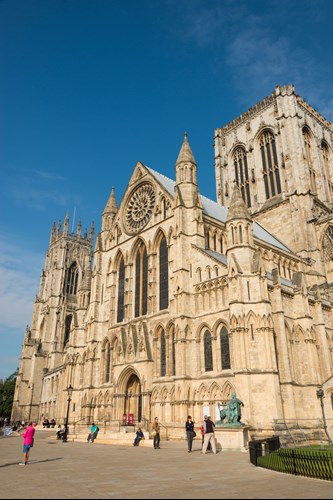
(233, 412)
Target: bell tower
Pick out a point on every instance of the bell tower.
(59, 307)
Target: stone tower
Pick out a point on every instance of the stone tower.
(280, 154)
(59, 308)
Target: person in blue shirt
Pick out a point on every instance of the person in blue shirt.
(139, 436)
(93, 433)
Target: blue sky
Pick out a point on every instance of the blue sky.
(90, 87)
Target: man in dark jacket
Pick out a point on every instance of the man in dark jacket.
(209, 436)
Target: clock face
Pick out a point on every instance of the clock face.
(139, 208)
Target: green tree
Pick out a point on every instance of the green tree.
(7, 390)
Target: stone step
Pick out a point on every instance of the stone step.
(119, 441)
(123, 438)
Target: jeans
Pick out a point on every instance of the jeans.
(190, 438)
(92, 436)
(157, 440)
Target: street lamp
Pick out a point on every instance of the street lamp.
(69, 393)
(320, 395)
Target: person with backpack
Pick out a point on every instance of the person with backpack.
(93, 433)
(209, 434)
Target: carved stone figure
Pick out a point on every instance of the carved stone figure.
(233, 411)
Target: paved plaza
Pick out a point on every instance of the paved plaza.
(82, 470)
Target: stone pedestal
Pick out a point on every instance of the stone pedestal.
(232, 438)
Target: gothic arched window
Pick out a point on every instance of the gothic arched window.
(163, 354)
(328, 244)
(270, 164)
(208, 351)
(72, 276)
(173, 352)
(121, 291)
(308, 155)
(164, 208)
(107, 358)
(326, 161)
(141, 281)
(225, 350)
(207, 238)
(68, 323)
(242, 174)
(164, 274)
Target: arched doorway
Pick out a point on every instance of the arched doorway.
(133, 398)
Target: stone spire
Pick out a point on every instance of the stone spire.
(53, 232)
(237, 208)
(111, 206)
(185, 154)
(186, 174)
(110, 211)
(65, 232)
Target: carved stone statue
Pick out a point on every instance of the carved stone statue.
(233, 411)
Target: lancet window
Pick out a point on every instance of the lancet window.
(121, 291)
(270, 164)
(308, 155)
(242, 174)
(208, 351)
(68, 324)
(225, 349)
(164, 274)
(141, 281)
(326, 161)
(72, 276)
(163, 354)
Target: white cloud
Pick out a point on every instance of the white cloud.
(256, 49)
(20, 271)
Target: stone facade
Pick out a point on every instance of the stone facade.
(185, 300)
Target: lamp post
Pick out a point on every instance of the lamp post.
(69, 393)
(320, 395)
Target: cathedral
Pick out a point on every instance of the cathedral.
(181, 301)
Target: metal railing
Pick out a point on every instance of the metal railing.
(312, 463)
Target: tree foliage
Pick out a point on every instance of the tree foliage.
(7, 390)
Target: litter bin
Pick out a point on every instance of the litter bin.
(255, 449)
(272, 444)
(259, 447)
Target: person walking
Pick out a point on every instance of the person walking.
(156, 434)
(28, 436)
(202, 430)
(209, 437)
(94, 429)
(190, 433)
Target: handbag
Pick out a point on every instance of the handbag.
(33, 439)
(194, 434)
(154, 433)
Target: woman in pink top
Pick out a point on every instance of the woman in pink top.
(28, 436)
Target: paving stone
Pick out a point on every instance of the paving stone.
(81, 470)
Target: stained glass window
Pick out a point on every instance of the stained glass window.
(141, 281)
(208, 351)
(163, 354)
(270, 164)
(121, 291)
(225, 351)
(242, 174)
(72, 275)
(164, 275)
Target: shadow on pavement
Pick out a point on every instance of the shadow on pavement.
(32, 462)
